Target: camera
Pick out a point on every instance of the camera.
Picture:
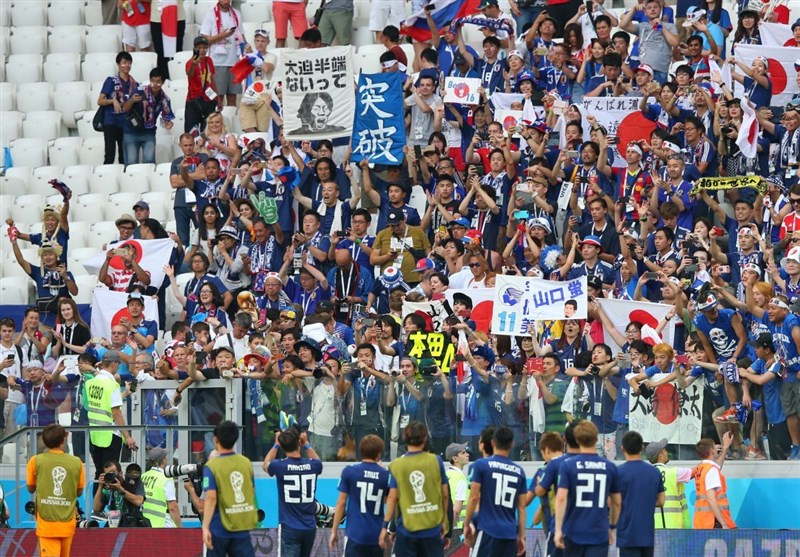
(593, 369)
(319, 373)
(109, 478)
(191, 470)
(323, 514)
(727, 128)
(214, 241)
(428, 370)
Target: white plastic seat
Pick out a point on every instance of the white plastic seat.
(15, 290)
(159, 181)
(40, 178)
(77, 255)
(11, 127)
(5, 14)
(105, 178)
(85, 128)
(69, 38)
(255, 10)
(97, 66)
(89, 207)
(201, 8)
(93, 150)
(160, 205)
(44, 124)
(65, 12)
(28, 40)
(64, 152)
(78, 231)
(8, 93)
(10, 268)
(32, 97)
(29, 151)
(30, 200)
(173, 306)
(24, 68)
(62, 67)
(77, 176)
(192, 30)
(121, 203)
(93, 12)
(27, 213)
(6, 201)
(176, 90)
(71, 99)
(136, 178)
(22, 174)
(86, 284)
(104, 38)
(367, 62)
(143, 62)
(102, 233)
(28, 12)
(12, 186)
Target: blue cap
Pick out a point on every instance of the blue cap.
(484, 352)
(461, 221)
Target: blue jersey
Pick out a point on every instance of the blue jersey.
(772, 391)
(297, 486)
(548, 481)
(502, 482)
(785, 347)
(640, 483)
(366, 485)
(720, 333)
(590, 479)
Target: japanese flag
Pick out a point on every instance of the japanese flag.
(109, 307)
(781, 70)
(747, 141)
(169, 27)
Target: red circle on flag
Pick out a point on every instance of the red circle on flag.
(258, 87)
(482, 315)
(116, 261)
(169, 21)
(509, 122)
(634, 127)
(123, 313)
(777, 74)
(643, 317)
(666, 403)
(461, 90)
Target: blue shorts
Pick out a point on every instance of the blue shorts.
(297, 543)
(231, 547)
(578, 550)
(353, 549)
(406, 546)
(488, 546)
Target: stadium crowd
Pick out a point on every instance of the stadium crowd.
(303, 310)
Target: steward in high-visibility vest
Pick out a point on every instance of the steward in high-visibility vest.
(675, 513)
(711, 488)
(159, 492)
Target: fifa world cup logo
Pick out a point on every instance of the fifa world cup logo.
(59, 475)
(417, 480)
(237, 481)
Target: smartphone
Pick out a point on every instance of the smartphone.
(624, 199)
(691, 268)
(625, 360)
(572, 154)
(369, 322)
(188, 338)
(651, 275)
(418, 152)
(196, 52)
(682, 359)
(724, 269)
(588, 6)
(612, 139)
(718, 231)
(521, 215)
(120, 252)
(11, 357)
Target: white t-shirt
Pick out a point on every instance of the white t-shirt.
(14, 371)
(713, 480)
(224, 53)
(240, 346)
(323, 405)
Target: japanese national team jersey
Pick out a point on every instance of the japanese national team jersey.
(366, 485)
(297, 486)
(590, 479)
(549, 482)
(502, 482)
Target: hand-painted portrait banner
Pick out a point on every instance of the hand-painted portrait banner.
(520, 302)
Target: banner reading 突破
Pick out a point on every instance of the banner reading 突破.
(318, 94)
(672, 413)
(379, 133)
(520, 302)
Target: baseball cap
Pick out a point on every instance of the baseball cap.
(516, 53)
(646, 68)
(155, 454)
(200, 40)
(592, 240)
(424, 264)
(764, 340)
(261, 33)
(137, 296)
(453, 449)
(540, 222)
(141, 205)
(461, 221)
(654, 449)
(395, 217)
(110, 357)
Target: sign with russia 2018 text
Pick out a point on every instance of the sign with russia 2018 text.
(519, 302)
(462, 90)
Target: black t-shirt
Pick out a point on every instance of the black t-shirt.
(77, 335)
(211, 373)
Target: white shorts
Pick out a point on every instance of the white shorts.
(137, 37)
(386, 12)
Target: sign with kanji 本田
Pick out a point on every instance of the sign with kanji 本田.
(432, 345)
(318, 93)
(379, 133)
(520, 302)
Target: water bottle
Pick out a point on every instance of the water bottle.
(765, 442)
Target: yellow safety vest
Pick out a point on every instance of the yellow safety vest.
(99, 391)
(155, 504)
(675, 513)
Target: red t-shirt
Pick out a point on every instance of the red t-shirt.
(399, 54)
(137, 18)
(201, 78)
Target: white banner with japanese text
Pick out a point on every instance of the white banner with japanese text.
(670, 413)
(520, 302)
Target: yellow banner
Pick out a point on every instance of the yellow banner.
(730, 183)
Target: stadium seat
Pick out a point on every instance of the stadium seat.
(418, 199)
(27, 213)
(11, 127)
(28, 40)
(104, 38)
(13, 186)
(40, 178)
(192, 30)
(143, 62)
(201, 8)
(136, 178)
(256, 10)
(97, 66)
(62, 67)
(176, 90)
(78, 231)
(89, 207)
(105, 178)
(6, 201)
(121, 203)
(44, 124)
(173, 306)
(16, 290)
(160, 205)
(5, 14)
(29, 151)
(30, 200)
(28, 12)
(367, 62)
(159, 181)
(93, 149)
(71, 99)
(86, 285)
(76, 172)
(69, 38)
(24, 68)
(409, 51)
(85, 128)
(65, 12)
(76, 257)
(22, 174)
(8, 93)
(93, 12)
(10, 268)
(34, 96)
(362, 36)
(102, 233)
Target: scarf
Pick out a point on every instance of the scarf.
(218, 19)
(336, 225)
(496, 24)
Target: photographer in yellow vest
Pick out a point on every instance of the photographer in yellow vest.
(229, 510)
(104, 403)
(675, 512)
(57, 479)
(160, 505)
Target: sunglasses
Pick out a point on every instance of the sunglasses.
(474, 265)
(794, 200)
(262, 32)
